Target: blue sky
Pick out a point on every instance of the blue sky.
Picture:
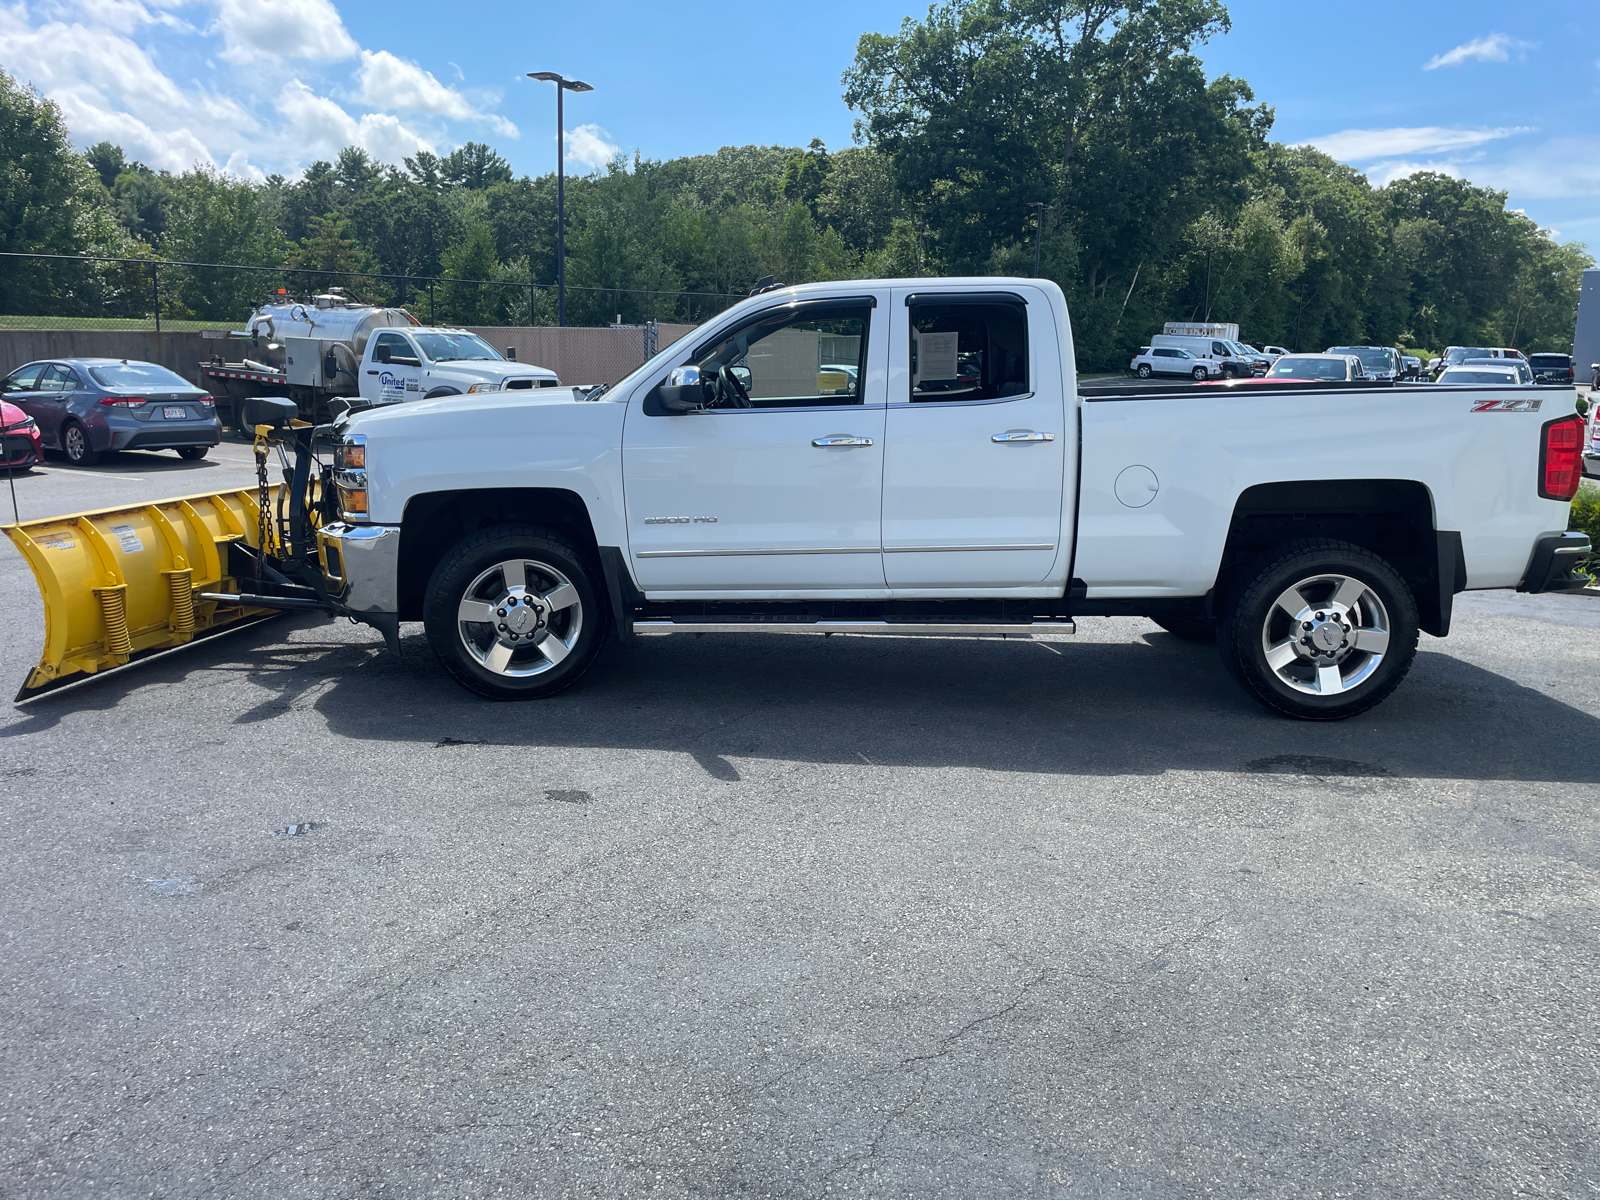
(1507, 96)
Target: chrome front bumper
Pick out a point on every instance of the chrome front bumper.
(361, 565)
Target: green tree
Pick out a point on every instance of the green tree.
(804, 175)
(51, 202)
(474, 166)
(329, 248)
(219, 219)
(471, 303)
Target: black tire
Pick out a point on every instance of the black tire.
(75, 444)
(1200, 374)
(1190, 629)
(192, 453)
(1346, 591)
(442, 391)
(1227, 371)
(520, 668)
(1144, 371)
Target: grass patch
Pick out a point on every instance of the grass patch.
(90, 324)
(1586, 519)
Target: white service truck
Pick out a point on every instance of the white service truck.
(334, 349)
(915, 457)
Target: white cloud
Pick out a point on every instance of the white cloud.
(591, 146)
(320, 126)
(98, 60)
(300, 29)
(239, 164)
(1359, 145)
(390, 82)
(1384, 173)
(388, 139)
(110, 88)
(1496, 47)
(1561, 168)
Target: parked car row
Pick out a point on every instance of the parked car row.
(1213, 359)
(87, 407)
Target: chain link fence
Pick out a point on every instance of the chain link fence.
(53, 291)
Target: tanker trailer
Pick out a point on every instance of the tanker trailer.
(321, 343)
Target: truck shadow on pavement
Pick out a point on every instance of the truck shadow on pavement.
(1138, 707)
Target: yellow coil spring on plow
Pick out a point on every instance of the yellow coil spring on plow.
(114, 616)
(181, 584)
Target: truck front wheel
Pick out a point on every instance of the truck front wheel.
(1325, 630)
(515, 613)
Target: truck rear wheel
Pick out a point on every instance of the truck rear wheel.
(515, 613)
(1325, 630)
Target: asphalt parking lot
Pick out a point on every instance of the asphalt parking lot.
(794, 917)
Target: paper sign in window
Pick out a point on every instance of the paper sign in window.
(936, 355)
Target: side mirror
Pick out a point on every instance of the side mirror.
(511, 354)
(683, 391)
(381, 354)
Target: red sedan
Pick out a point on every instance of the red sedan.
(19, 438)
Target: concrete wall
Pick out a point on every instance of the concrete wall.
(576, 354)
(580, 355)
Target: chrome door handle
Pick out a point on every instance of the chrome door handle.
(1023, 437)
(841, 441)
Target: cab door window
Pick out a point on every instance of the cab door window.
(813, 356)
(968, 350)
(401, 352)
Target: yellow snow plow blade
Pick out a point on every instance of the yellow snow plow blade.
(123, 582)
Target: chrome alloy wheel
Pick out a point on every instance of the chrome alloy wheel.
(520, 618)
(1326, 634)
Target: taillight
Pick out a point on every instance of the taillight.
(1561, 458)
(206, 402)
(123, 401)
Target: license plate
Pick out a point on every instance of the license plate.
(174, 412)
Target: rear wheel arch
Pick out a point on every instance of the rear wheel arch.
(1392, 518)
(435, 522)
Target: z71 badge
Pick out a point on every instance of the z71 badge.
(1506, 405)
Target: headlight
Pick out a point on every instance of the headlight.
(351, 453)
(492, 386)
(350, 475)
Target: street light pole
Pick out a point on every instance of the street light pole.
(563, 86)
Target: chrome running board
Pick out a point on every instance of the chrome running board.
(938, 629)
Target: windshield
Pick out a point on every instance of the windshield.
(139, 375)
(1373, 359)
(1290, 367)
(454, 347)
(1550, 360)
(1461, 353)
(1478, 375)
(1242, 350)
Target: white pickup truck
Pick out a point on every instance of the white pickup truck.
(425, 363)
(915, 456)
(334, 350)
